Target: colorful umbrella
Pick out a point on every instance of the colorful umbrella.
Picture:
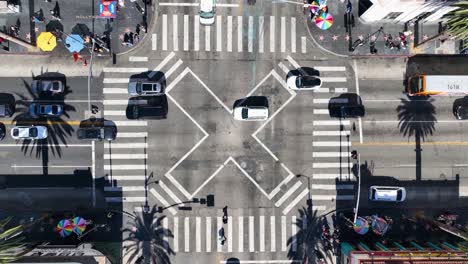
(79, 225)
(74, 43)
(46, 41)
(361, 226)
(379, 225)
(64, 227)
(314, 7)
(324, 21)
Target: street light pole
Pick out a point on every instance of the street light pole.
(90, 74)
(359, 189)
(309, 200)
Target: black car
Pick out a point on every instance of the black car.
(460, 108)
(346, 105)
(97, 133)
(144, 107)
(7, 105)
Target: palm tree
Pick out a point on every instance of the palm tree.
(146, 241)
(306, 237)
(458, 23)
(416, 117)
(11, 244)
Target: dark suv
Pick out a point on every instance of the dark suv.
(144, 107)
(97, 133)
(346, 105)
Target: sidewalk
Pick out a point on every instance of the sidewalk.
(336, 39)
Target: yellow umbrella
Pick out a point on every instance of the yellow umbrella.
(46, 41)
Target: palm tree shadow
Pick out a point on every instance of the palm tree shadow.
(417, 118)
(147, 239)
(302, 245)
(58, 129)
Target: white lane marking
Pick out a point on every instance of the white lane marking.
(154, 42)
(50, 145)
(320, 111)
(123, 123)
(323, 165)
(219, 225)
(293, 233)
(162, 64)
(251, 234)
(323, 90)
(177, 4)
(125, 199)
(163, 201)
(175, 232)
(272, 34)
(208, 234)
(115, 91)
(241, 233)
(283, 233)
(125, 167)
(330, 133)
(125, 156)
(295, 201)
(261, 34)
(164, 32)
(288, 193)
(327, 176)
(227, 5)
(219, 36)
(124, 69)
(283, 67)
(211, 92)
(126, 177)
(165, 224)
(168, 191)
(173, 68)
(230, 235)
(229, 34)
(303, 44)
(197, 234)
(239, 33)
(186, 32)
(333, 79)
(330, 68)
(330, 122)
(207, 38)
(196, 33)
(293, 34)
(262, 233)
(175, 35)
(115, 113)
(50, 166)
(283, 34)
(132, 134)
(272, 233)
(115, 80)
(283, 182)
(93, 171)
(341, 90)
(332, 187)
(293, 62)
(330, 154)
(249, 177)
(250, 35)
(115, 102)
(330, 143)
(320, 100)
(187, 234)
(137, 59)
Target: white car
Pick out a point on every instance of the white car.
(207, 12)
(29, 132)
(47, 86)
(301, 82)
(251, 113)
(387, 194)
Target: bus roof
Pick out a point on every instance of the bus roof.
(446, 84)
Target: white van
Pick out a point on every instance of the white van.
(251, 113)
(387, 194)
(207, 12)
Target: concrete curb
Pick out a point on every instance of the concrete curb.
(317, 44)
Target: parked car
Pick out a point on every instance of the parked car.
(44, 109)
(460, 108)
(346, 105)
(29, 132)
(145, 107)
(7, 105)
(387, 194)
(136, 88)
(304, 82)
(47, 86)
(207, 12)
(97, 133)
(251, 113)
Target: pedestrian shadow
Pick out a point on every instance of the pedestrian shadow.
(417, 118)
(302, 245)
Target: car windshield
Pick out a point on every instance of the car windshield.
(245, 113)
(399, 195)
(55, 86)
(15, 132)
(204, 14)
(33, 132)
(310, 81)
(42, 109)
(415, 84)
(138, 87)
(55, 109)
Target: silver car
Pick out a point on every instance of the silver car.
(47, 86)
(136, 88)
(29, 132)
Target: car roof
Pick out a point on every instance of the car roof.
(309, 81)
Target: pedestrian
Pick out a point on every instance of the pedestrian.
(222, 236)
(126, 39)
(143, 26)
(137, 30)
(131, 38)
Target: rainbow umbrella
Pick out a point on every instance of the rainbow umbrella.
(79, 225)
(64, 227)
(324, 21)
(361, 226)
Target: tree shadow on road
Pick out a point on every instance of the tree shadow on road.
(302, 245)
(417, 118)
